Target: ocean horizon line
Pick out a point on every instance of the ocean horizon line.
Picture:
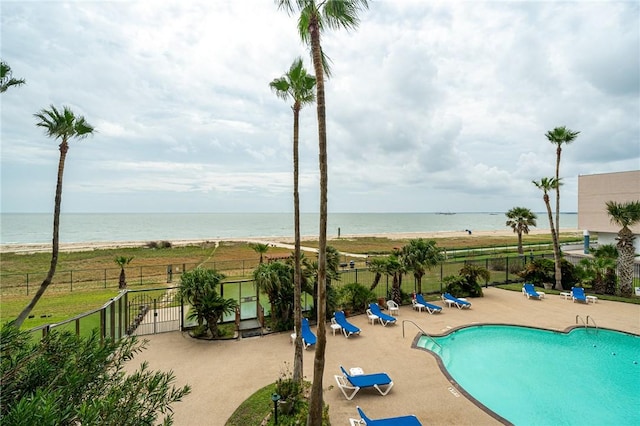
(290, 213)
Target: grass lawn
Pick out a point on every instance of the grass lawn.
(382, 245)
(54, 307)
(228, 251)
(254, 410)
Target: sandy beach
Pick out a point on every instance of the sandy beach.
(281, 241)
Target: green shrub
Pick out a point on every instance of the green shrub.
(498, 264)
(286, 387)
(515, 266)
(539, 271)
(65, 379)
(459, 286)
(570, 276)
(355, 297)
(543, 270)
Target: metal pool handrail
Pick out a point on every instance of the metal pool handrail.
(424, 333)
(586, 324)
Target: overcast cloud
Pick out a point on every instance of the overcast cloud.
(432, 106)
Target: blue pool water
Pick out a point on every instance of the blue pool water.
(538, 377)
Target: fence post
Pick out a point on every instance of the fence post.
(127, 309)
(506, 278)
(140, 275)
(27, 284)
(386, 293)
(112, 320)
(181, 314)
(155, 315)
(103, 325)
(71, 280)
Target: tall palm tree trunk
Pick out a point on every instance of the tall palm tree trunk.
(64, 147)
(297, 278)
(558, 154)
(376, 281)
(397, 281)
(122, 280)
(626, 255)
(316, 401)
(520, 249)
(556, 246)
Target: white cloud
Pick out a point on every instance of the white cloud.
(432, 106)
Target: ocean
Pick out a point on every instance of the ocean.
(36, 228)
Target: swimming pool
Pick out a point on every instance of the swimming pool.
(531, 376)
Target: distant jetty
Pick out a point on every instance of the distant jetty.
(446, 213)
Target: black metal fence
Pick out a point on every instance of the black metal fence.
(156, 310)
(153, 275)
(93, 279)
(503, 269)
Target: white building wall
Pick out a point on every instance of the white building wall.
(593, 193)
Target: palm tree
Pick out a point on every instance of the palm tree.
(377, 265)
(261, 249)
(558, 137)
(6, 79)
(606, 250)
(597, 271)
(122, 261)
(472, 273)
(212, 308)
(625, 215)
(520, 219)
(62, 125)
(195, 285)
(395, 269)
(546, 185)
(298, 85)
(419, 256)
(275, 279)
(311, 273)
(316, 16)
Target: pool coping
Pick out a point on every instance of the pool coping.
(458, 387)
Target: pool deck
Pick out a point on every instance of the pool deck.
(222, 374)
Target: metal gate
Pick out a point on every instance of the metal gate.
(152, 312)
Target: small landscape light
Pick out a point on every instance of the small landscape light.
(275, 398)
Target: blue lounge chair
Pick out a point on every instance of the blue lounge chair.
(351, 384)
(308, 338)
(529, 290)
(577, 293)
(382, 317)
(430, 307)
(347, 328)
(459, 303)
(391, 421)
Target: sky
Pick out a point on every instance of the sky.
(431, 107)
